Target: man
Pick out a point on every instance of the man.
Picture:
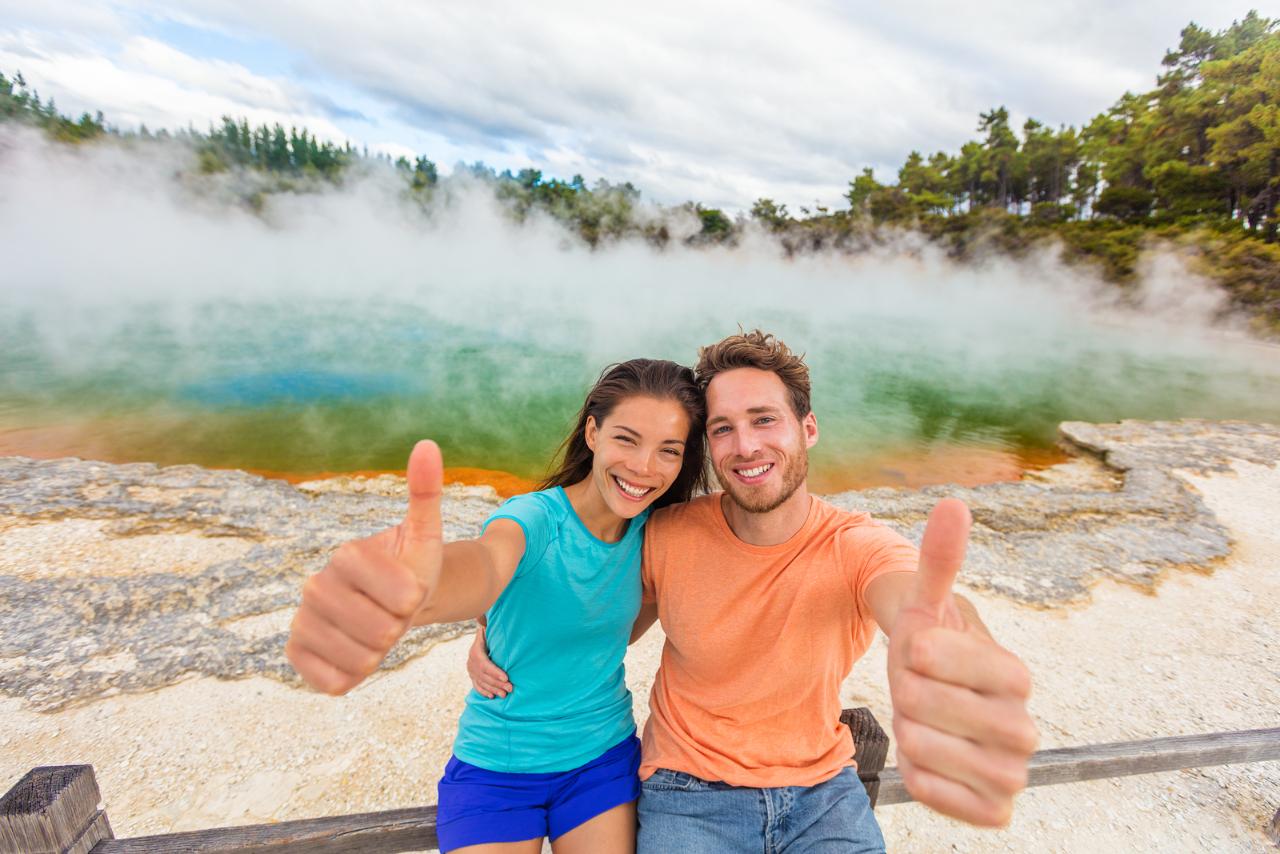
(768, 596)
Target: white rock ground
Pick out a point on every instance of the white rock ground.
(1201, 655)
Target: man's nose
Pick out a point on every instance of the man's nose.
(748, 444)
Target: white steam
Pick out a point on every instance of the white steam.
(92, 235)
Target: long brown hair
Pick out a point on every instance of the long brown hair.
(656, 378)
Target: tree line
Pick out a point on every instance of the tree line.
(1203, 145)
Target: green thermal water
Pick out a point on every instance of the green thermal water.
(350, 385)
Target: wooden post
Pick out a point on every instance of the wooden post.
(870, 748)
(53, 810)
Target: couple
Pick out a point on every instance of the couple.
(766, 594)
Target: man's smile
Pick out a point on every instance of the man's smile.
(753, 474)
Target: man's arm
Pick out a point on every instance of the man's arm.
(886, 594)
(960, 720)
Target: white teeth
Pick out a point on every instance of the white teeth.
(755, 472)
(633, 491)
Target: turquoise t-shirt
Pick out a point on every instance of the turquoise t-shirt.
(560, 631)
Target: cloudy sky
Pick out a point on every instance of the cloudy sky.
(722, 102)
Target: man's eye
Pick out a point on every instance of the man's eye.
(719, 430)
(767, 419)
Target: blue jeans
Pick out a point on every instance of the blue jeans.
(679, 812)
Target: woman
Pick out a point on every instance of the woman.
(558, 758)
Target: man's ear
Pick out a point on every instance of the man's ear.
(589, 432)
(810, 425)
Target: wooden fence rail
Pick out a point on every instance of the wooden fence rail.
(55, 809)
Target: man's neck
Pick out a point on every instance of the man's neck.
(772, 528)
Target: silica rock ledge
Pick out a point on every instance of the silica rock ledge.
(126, 578)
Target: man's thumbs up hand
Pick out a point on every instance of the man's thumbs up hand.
(959, 699)
(355, 609)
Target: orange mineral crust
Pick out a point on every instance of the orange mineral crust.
(504, 483)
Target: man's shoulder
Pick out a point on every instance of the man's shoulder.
(832, 520)
(849, 527)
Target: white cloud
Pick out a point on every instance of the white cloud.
(153, 84)
(718, 101)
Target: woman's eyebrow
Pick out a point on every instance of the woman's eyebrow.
(636, 433)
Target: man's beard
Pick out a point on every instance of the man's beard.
(757, 501)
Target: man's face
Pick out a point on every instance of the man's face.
(759, 448)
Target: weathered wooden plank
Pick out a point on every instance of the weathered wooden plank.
(97, 830)
(871, 747)
(412, 829)
(1125, 758)
(870, 743)
(53, 808)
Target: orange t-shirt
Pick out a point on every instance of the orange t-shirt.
(759, 639)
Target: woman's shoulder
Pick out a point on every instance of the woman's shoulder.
(545, 508)
(551, 499)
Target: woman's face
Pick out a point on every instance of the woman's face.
(638, 450)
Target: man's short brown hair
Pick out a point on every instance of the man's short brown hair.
(761, 350)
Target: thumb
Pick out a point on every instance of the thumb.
(942, 553)
(420, 537)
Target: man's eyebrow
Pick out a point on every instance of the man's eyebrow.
(636, 433)
(753, 410)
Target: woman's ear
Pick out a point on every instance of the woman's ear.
(589, 433)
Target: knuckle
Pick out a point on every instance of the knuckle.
(338, 685)
(343, 554)
(1030, 739)
(910, 693)
(1020, 680)
(407, 595)
(908, 739)
(999, 814)
(1009, 777)
(311, 588)
(1021, 735)
(388, 634)
(920, 652)
(917, 785)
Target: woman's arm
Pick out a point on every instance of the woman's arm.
(473, 574)
(647, 617)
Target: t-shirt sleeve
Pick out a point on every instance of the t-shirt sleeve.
(533, 513)
(648, 589)
(877, 550)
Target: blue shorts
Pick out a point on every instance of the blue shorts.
(477, 806)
